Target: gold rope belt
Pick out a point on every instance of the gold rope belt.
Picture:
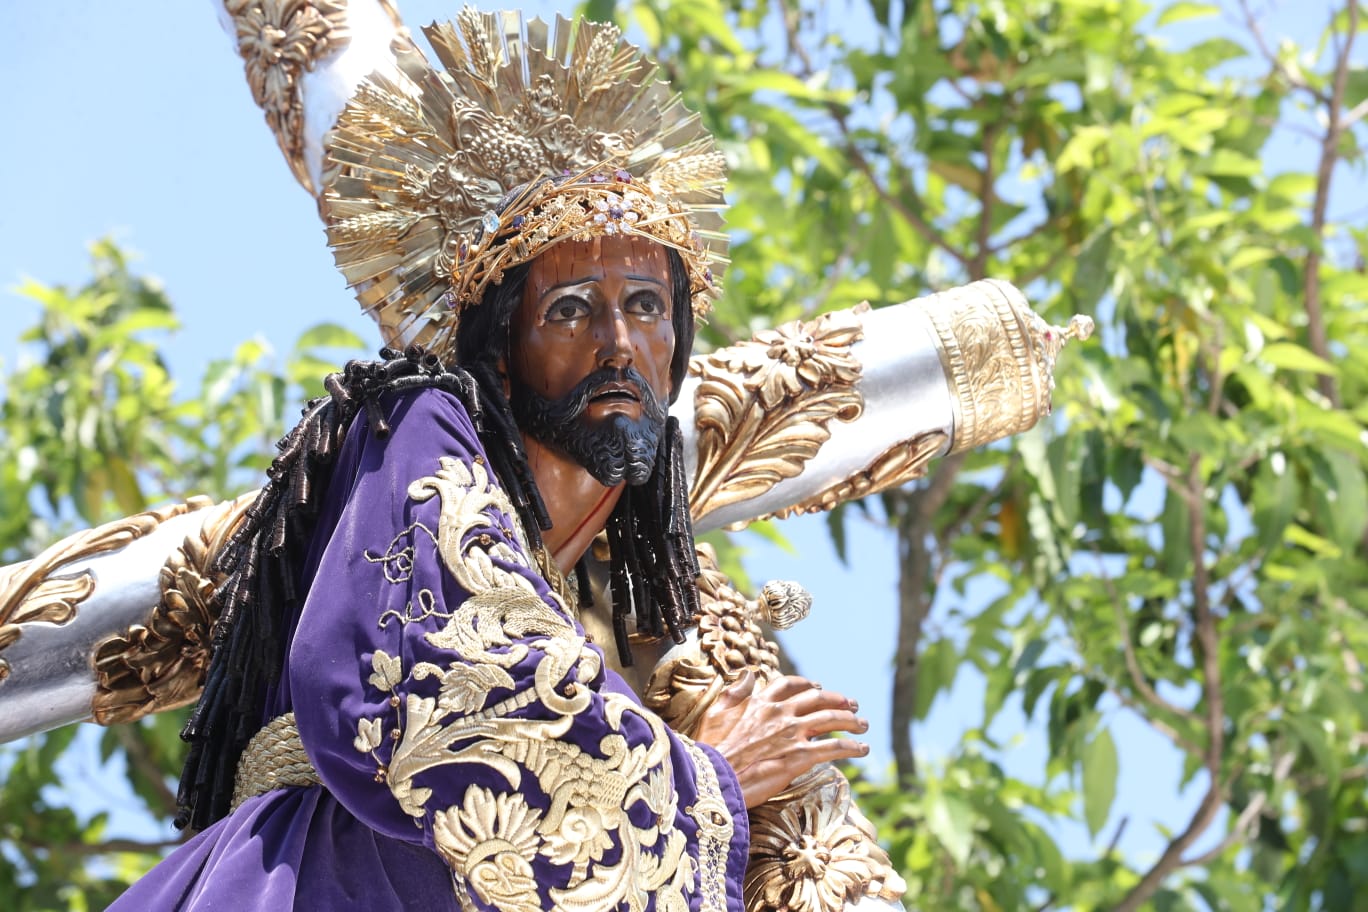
(273, 759)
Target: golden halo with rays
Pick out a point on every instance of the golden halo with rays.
(569, 127)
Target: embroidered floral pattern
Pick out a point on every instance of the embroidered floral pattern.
(572, 826)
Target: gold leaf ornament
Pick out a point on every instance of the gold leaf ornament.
(904, 461)
(813, 851)
(490, 840)
(160, 663)
(36, 591)
(763, 406)
(279, 40)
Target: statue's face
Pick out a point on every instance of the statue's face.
(591, 346)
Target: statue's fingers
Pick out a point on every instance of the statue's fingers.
(832, 720)
(808, 702)
(739, 690)
(829, 750)
(790, 686)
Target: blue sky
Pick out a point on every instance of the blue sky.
(133, 120)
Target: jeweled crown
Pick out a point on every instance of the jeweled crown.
(439, 181)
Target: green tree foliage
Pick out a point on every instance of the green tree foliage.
(95, 428)
(1183, 546)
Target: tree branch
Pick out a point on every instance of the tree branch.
(1106, 853)
(1208, 638)
(1168, 731)
(979, 267)
(1032, 232)
(1245, 822)
(107, 847)
(140, 759)
(1137, 676)
(852, 151)
(915, 514)
(1317, 338)
(1295, 80)
(1356, 113)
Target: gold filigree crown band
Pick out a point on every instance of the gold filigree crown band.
(578, 208)
(422, 162)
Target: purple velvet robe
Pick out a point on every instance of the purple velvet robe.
(475, 751)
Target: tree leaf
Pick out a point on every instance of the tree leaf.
(1274, 499)
(1290, 356)
(1099, 780)
(1182, 11)
(950, 820)
(328, 335)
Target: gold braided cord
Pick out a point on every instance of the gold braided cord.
(273, 759)
(440, 180)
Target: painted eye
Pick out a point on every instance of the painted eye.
(568, 309)
(647, 305)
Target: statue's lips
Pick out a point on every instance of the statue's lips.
(616, 392)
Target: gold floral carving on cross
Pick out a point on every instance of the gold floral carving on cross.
(160, 663)
(999, 356)
(31, 592)
(899, 464)
(811, 849)
(280, 40)
(763, 406)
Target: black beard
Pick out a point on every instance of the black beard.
(621, 449)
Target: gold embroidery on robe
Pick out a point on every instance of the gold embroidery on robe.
(492, 839)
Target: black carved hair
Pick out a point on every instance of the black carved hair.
(262, 562)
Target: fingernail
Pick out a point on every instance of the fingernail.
(864, 749)
(854, 705)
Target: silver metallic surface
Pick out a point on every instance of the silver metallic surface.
(52, 679)
(905, 393)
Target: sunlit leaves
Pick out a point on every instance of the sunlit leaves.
(1100, 766)
(95, 427)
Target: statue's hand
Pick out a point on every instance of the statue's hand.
(774, 735)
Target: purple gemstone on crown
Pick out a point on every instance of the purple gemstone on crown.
(598, 178)
(615, 212)
(518, 221)
(622, 176)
